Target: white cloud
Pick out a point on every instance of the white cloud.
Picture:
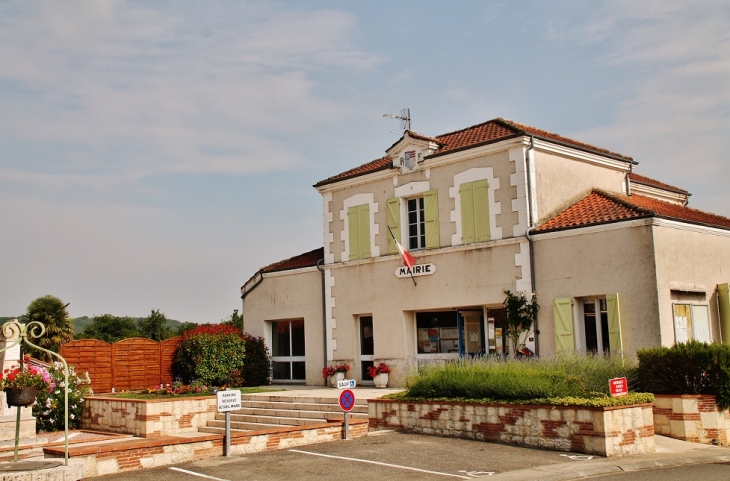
(148, 91)
(675, 118)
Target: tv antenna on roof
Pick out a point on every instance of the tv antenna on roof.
(404, 117)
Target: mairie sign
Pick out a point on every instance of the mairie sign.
(418, 270)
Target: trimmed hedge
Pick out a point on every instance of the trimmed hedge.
(220, 355)
(687, 368)
(632, 398)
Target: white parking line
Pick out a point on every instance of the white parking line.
(380, 464)
(193, 473)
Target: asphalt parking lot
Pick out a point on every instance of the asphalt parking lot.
(388, 455)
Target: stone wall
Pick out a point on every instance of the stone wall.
(124, 456)
(613, 431)
(694, 418)
(148, 418)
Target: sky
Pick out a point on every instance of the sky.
(155, 155)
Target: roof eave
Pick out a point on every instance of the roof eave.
(592, 224)
(322, 183)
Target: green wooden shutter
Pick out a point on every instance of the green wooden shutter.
(431, 218)
(363, 217)
(353, 236)
(393, 211)
(466, 194)
(723, 299)
(615, 342)
(563, 320)
(481, 210)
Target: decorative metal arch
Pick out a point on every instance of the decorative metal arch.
(19, 332)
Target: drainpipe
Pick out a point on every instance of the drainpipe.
(628, 179)
(531, 214)
(324, 316)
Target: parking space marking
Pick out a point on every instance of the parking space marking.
(193, 473)
(578, 457)
(380, 464)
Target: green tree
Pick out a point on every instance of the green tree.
(235, 320)
(51, 312)
(521, 316)
(155, 326)
(185, 326)
(109, 328)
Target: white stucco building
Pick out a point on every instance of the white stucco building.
(618, 260)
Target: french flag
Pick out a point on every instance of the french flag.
(408, 259)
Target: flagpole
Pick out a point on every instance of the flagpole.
(398, 244)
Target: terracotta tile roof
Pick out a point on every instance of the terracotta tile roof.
(372, 166)
(491, 131)
(308, 259)
(640, 179)
(600, 207)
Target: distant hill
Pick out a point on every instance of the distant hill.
(81, 322)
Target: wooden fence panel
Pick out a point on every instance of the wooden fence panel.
(92, 356)
(168, 347)
(136, 364)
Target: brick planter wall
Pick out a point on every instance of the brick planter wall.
(148, 418)
(615, 431)
(694, 418)
(130, 455)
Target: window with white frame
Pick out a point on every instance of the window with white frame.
(691, 317)
(287, 350)
(416, 224)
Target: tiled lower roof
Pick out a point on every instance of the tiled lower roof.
(600, 207)
(491, 131)
(308, 259)
(641, 179)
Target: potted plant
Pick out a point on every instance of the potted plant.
(379, 373)
(20, 384)
(335, 373)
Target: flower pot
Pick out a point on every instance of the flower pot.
(381, 380)
(338, 376)
(20, 396)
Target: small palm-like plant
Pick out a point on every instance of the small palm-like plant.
(51, 312)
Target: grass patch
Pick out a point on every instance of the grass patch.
(139, 395)
(520, 380)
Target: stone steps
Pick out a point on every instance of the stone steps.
(275, 411)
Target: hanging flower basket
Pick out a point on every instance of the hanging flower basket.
(20, 396)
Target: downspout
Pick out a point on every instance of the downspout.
(531, 215)
(628, 179)
(324, 316)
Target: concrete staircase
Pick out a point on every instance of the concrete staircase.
(274, 411)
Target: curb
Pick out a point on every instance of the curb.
(567, 472)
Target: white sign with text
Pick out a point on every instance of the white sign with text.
(228, 400)
(418, 270)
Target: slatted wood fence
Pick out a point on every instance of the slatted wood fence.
(134, 363)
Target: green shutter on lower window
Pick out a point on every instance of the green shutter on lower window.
(723, 299)
(615, 342)
(431, 218)
(481, 210)
(563, 320)
(466, 197)
(363, 217)
(353, 233)
(393, 211)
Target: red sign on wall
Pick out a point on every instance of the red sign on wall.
(618, 386)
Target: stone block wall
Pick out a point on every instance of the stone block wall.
(148, 418)
(130, 455)
(694, 418)
(614, 431)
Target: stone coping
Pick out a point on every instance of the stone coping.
(147, 443)
(685, 396)
(111, 397)
(514, 405)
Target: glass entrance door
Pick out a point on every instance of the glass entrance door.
(367, 347)
(472, 333)
(287, 350)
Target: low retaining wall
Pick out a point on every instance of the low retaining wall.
(614, 431)
(148, 418)
(130, 455)
(694, 418)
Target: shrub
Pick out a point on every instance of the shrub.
(257, 363)
(687, 368)
(49, 407)
(520, 379)
(218, 354)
